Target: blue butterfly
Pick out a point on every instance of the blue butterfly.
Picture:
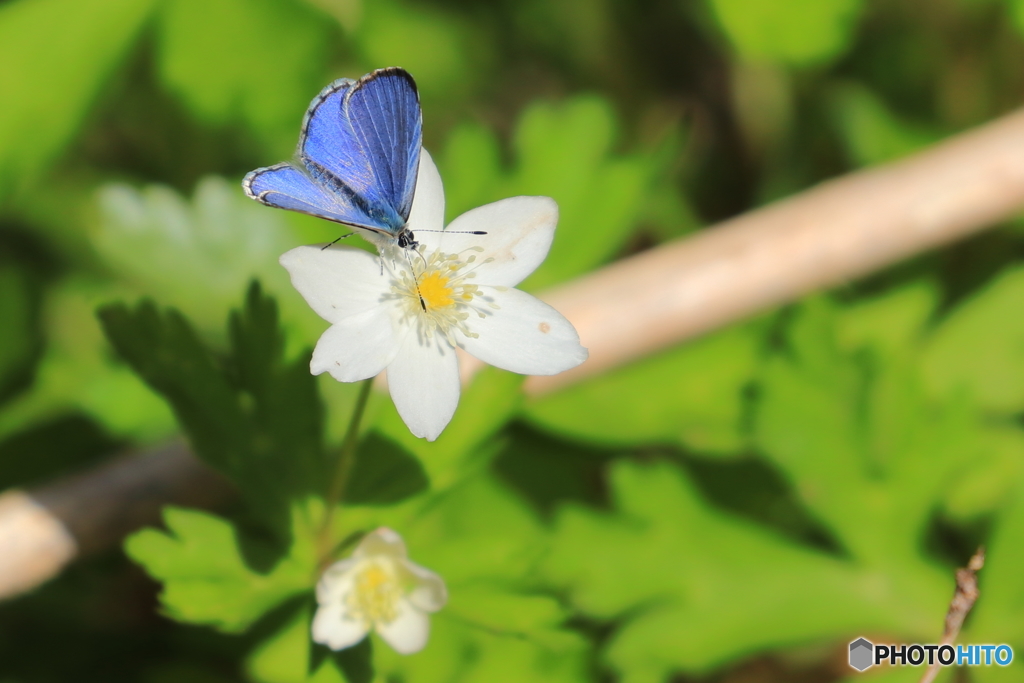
(358, 157)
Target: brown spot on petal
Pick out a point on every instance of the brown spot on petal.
(544, 327)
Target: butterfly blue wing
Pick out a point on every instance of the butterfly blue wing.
(359, 149)
(383, 109)
(327, 145)
(284, 186)
(364, 140)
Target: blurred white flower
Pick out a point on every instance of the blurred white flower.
(406, 311)
(378, 589)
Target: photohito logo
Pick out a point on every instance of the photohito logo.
(865, 654)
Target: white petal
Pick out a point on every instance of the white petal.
(406, 633)
(427, 211)
(333, 628)
(381, 541)
(338, 281)
(519, 233)
(429, 592)
(524, 335)
(336, 582)
(424, 384)
(358, 346)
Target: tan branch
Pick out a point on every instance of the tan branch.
(827, 235)
(964, 597)
(43, 530)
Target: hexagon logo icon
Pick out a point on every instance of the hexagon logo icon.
(860, 654)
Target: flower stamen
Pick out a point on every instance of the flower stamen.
(435, 293)
(376, 593)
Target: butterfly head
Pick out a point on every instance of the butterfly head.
(405, 239)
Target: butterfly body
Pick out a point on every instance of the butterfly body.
(357, 158)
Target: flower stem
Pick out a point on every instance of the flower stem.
(346, 459)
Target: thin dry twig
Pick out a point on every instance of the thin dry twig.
(824, 236)
(960, 606)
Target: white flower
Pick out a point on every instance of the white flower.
(377, 588)
(406, 310)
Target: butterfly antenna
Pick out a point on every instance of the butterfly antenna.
(458, 232)
(336, 241)
(423, 303)
(409, 259)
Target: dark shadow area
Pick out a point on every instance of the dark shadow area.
(384, 473)
(53, 449)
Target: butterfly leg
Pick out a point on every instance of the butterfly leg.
(336, 241)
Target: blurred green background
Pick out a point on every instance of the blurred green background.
(735, 509)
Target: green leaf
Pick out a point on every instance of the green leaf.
(198, 253)
(892, 323)
(289, 656)
(164, 350)
(255, 417)
(979, 348)
(872, 134)
(464, 447)
(903, 674)
(63, 445)
(995, 617)
(254, 61)
(471, 168)
(205, 578)
(497, 657)
(1017, 13)
(701, 406)
(485, 542)
(563, 151)
(513, 614)
(476, 531)
(20, 342)
(437, 48)
(58, 54)
(78, 375)
(286, 420)
(384, 473)
(843, 415)
(796, 32)
(694, 588)
(548, 471)
(891, 452)
(993, 463)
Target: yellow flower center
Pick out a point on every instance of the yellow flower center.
(376, 594)
(435, 291)
(436, 294)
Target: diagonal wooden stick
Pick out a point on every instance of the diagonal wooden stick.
(42, 531)
(825, 236)
(822, 237)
